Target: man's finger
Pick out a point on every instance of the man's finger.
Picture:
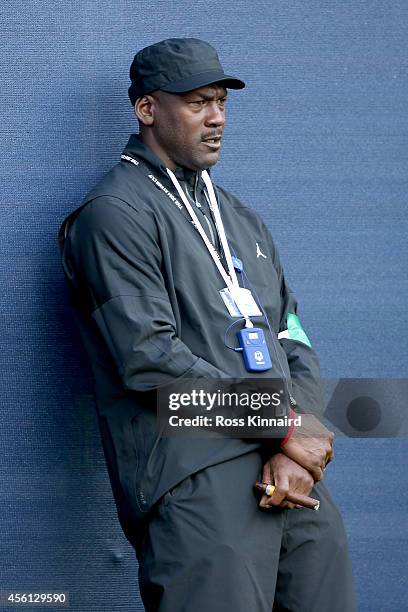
(274, 500)
(287, 505)
(330, 456)
(317, 473)
(264, 501)
(280, 491)
(266, 473)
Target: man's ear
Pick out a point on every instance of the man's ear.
(144, 109)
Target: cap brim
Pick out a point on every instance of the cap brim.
(202, 79)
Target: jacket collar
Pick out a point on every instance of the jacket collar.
(139, 149)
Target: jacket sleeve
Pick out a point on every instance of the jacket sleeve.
(302, 359)
(113, 261)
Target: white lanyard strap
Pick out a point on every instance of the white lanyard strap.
(220, 226)
(201, 231)
(230, 280)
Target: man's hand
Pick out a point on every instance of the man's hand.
(286, 475)
(311, 446)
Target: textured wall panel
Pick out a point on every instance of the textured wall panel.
(316, 143)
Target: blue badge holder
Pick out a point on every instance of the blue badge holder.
(254, 349)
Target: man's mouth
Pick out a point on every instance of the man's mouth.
(214, 142)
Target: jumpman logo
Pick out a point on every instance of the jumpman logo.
(259, 252)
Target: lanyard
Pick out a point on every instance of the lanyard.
(230, 279)
(215, 209)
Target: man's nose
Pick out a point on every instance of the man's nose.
(215, 115)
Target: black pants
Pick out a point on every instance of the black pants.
(210, 548)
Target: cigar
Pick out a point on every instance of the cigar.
(295, 498)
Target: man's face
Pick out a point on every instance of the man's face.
(188, 127)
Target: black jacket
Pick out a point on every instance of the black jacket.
(146, 297)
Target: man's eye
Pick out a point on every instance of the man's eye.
(198, 102)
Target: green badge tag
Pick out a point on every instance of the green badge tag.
(295, 330)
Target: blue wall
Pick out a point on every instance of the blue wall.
(316, 143)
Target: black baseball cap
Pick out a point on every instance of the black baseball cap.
(177, 65)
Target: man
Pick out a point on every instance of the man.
(150, 290)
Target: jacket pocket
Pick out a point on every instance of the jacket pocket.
(145, 439)
(123, 463)
(181, 491)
